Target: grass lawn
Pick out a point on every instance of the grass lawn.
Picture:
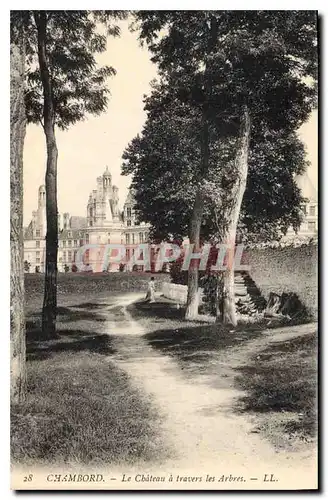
(281, 389)
(80, 407)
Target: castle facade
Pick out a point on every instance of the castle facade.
(104, 223)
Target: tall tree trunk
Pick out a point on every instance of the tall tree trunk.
(17, 136)
(195, 224)
(49, 311)
(229, 315)
(196, 221)
(194, 239)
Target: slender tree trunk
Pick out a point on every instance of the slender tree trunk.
(194, 238)
(195, 224)
(196, 221)
(49, 311)
(229, 315)
(17, 136)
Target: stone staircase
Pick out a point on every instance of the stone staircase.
(249, 300)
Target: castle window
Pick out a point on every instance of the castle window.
(127, 239)
(311, 226)
(133, 239)
(37, 233)
(69, 234)
(69, 243)
(81, 243)
(69, 256)
(312, 210)
(75, 243)
(37, 244)
(91, 223)
(87, 238)
(64, 256)
(128, 223)
(38, 254)
(141, 237)
(38, 260)
(128, 212)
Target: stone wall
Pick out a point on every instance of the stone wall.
(288, 269)
(178, 293)
(175, 292)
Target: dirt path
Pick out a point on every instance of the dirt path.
(199, 426)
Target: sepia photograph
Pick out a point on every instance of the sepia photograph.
(164, 250)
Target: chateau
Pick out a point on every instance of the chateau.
(104, 223)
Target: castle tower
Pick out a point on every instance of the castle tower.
(34, 222)
(107, 196)
(66, 220)
(41, 216)
(100, 207)
(90, 212)
(128, 209)
(107, 180)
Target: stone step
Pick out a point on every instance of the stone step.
(245, 300)
(249, 300)
(254, 290)
(259, 300)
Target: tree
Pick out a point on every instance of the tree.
(65, 85)
(246, 71)
(17, 135)
(163, 161)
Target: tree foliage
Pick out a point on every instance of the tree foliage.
(64, 85)
(73, 40)
(249, 75)
(164, 160)
(265, 59)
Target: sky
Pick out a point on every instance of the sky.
(87, 147)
